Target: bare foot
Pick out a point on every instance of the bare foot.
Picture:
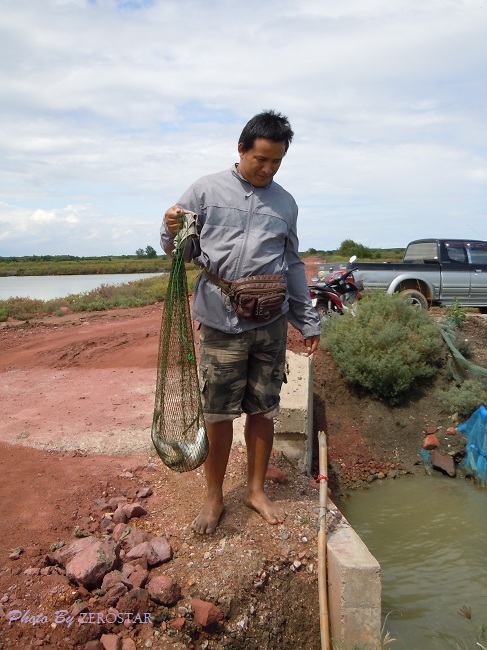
(207, 520)
(266, 508)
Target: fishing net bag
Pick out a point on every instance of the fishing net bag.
(178, 429)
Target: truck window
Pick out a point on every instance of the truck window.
(478, 252)
(420, 251)
(456, 252)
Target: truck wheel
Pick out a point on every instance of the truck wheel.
(417, 298)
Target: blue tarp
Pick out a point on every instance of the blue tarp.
(475, 430)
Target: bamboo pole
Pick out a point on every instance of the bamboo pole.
(322, 577)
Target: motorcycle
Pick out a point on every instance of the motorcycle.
(337, 294)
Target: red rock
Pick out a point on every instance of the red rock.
(451, 431)
(134, 538)
(205, 613)
(275, 474)
(119, 516)
(139, 551)
(135, 601)
(114, 502)
(145, 632)
(430, 442)
(66, 553)
(111, 642)
(160, 551)
(128, 644)
(143, 493)
(155, 552)
(132, 510)
(178, 623)
(141, 562)
(139, 577)
(89, 566)
(113, 578)
(431, 430)
(120, 531)
(443, 463)
(78, 607)
(127, 570)
(164, 590)
(32, 551)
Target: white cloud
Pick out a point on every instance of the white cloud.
(110, 109)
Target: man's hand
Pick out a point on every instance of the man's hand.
(174, 218)
(311, 344)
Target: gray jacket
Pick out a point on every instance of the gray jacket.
(243, 230)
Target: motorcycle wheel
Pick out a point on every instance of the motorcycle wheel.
(327, 308)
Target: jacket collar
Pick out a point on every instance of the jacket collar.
(236, 173)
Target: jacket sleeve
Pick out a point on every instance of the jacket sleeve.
(302, 315)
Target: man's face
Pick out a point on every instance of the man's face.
(259, 164)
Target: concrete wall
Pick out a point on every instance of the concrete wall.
(354, 588)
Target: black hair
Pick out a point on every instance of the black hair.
(269, 125)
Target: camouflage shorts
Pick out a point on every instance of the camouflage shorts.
(242, 372)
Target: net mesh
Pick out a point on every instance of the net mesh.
(178, 430)
(460, 368)
(475, 428)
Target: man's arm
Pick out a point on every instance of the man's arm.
(302, 315)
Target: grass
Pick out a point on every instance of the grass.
(65, 265)
(131, 294)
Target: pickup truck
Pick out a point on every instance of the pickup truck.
(433, 272)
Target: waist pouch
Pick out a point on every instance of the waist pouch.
(257, 298)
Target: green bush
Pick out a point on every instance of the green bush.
(456, 314)
(465, 398)
(387, 347)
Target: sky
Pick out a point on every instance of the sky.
(110, 109)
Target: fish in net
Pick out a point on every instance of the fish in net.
(178, 429)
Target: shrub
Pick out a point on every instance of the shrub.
(21, 308)
(465, 398)
(456, 314)
(387, 347)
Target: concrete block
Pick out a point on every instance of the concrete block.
(354, 589)
(294, 425)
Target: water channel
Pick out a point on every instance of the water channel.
(429, 534)
(46, 287)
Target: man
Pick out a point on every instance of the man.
(246, 226)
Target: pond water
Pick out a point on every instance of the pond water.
(46, 287)
(429, 534)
